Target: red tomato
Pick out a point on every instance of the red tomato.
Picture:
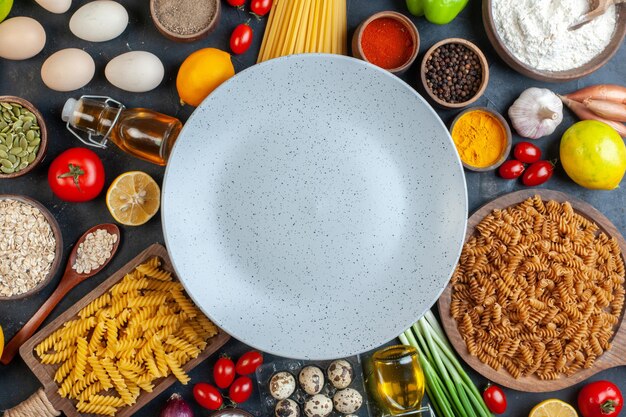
(600, 399)
(236, 3)
(527, 153)
(261, 7)
(76, 175)
(538, 173)
(248, 362)
(241, 39)
(207, 396)
(511, 169)
(241, 390)
(224, 372)
(495, 399)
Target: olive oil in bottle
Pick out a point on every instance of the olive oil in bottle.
(140, 132)
(398, 379)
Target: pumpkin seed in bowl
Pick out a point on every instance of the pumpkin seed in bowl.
(20, 137)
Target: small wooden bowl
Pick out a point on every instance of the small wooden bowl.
(357, 49)
(554, 76)
(507, 146)
(483, 63)
(58, 247)
(43, 145)
(192, 37)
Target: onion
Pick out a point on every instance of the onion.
(176, 407)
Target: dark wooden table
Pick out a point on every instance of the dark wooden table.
(22, 78)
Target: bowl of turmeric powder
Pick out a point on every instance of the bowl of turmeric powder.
(482, 138)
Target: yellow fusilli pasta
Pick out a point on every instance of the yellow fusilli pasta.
(142, 329)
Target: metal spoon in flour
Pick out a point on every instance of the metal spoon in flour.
(603, 6)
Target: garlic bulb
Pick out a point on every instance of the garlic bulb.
(536, 113)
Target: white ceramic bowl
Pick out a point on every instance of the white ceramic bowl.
(314, 206)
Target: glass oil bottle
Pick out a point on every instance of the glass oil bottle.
(143, 133)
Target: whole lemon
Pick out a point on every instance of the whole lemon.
(201, 73)
(5, 8)
(1, 342)
(593, 155)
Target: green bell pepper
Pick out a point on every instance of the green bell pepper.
(440, 12)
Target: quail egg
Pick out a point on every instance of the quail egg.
(287, 408)
(311, 379)
(282, 385)
(340, 373)
(347, 401)
(318, 406)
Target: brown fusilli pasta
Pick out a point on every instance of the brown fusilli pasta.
(538, 290)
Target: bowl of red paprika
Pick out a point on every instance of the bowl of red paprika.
(387, 39)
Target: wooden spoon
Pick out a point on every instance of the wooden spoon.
(603, 6)
(70, 279)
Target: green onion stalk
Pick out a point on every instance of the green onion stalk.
(451, 391)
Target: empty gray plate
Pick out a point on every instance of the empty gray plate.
(314, 206)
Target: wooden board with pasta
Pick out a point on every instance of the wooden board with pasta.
(124, 343)
(536, 302)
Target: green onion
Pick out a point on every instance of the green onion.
(450, 390)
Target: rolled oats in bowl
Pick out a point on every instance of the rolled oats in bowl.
(27, 247)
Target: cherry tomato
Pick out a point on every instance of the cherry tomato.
(527, 153)
(241, 39)
(236, 3)
(207, 396)
(538, 173)
(511, 169)
(495, 399)
(76, 175)
(600, 399)
(241, 390)
(261, 7)
(248, 362)
(224, 372)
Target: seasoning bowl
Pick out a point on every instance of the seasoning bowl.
(508, 138)
(554, 76)
(483, 64)
(357, 38)
(190, 37)
(43, 145)
(58, 249)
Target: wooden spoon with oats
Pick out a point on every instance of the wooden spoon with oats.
(91, 253)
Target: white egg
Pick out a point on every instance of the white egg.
(21, 38)
(68, 70)
(136, 71)
(55, 6)
(99, 21)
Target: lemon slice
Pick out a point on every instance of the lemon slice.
(133, 198)
(553, 408)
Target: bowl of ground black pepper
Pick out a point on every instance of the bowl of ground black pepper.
(185, 20)
(455, 73)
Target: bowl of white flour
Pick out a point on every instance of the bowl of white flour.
(533, 38)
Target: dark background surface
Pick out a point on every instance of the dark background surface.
(22, 78)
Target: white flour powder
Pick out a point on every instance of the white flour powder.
(535, 31)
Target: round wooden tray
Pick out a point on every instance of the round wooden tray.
(554, 76)
(616, 356)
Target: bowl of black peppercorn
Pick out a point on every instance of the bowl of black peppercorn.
(454, 73)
